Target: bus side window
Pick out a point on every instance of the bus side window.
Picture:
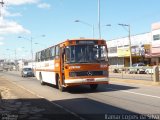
(57, 52)
(42, 55)
(47, 54)
(52, 53)
(39, 56)
(36, 58)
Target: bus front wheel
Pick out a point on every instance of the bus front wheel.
(60, 87)
(94, 86)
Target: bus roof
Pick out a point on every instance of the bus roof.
(82, 38)
(74, 39)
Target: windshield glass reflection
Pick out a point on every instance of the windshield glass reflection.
(86, 54)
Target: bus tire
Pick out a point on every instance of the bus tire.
(93, 86)
(41, 79)
(60, 87)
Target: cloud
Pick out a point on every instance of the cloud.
(19, 49)
(44, 5)
(9, 14)
(20, 2)
(1, 38)
(1, 43)
(11, 27)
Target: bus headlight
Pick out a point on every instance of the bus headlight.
(72, 74)
(25, 72)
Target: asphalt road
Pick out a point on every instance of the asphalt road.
(124, 99)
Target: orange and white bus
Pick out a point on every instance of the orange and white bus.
(74, 62)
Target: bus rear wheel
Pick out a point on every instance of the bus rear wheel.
(41, 79)
(94, 86)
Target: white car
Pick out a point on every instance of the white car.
(137, 68)
(150, 70)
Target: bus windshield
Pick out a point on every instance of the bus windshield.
(86, 54)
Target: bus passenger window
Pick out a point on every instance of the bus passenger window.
(42, 55)
(47, 54)
(39, 56)
(52, 53)
(57, 51)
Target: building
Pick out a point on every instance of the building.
(144, 48)
(155, 49)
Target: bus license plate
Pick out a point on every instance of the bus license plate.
(90, 80)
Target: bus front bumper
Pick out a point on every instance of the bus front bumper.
(86, 81)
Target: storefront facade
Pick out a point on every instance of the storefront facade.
(144, 48)
(155, 49)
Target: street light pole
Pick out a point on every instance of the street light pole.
(93, 30)
(31, 45)
(44, 45)
(31, 40)
(32, 49)
(99, 20)
(87, 25)
(15, 55)
(9, 57)
(129, 38)
(32, 52)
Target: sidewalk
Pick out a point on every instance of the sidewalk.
(17, 103)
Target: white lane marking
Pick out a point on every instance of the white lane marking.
(158, 97)
(76, 115)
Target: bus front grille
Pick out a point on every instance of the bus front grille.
(86, 73)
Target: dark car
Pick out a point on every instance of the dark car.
(27, 72)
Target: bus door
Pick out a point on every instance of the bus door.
(62, 59)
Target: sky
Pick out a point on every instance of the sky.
(49, 22)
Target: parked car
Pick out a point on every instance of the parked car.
(27, 72)
(150, 70)
(137, 68)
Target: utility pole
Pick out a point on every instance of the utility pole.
(129, 38)
(130, 56)
(1, 3)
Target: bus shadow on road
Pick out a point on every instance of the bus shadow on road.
(101, 88)
(66, 109)
(95, 110)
